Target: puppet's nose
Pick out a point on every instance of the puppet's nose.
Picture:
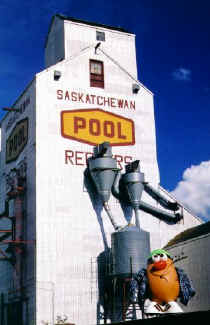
(160, 265)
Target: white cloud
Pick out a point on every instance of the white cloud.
(182, 74)
(194, 189)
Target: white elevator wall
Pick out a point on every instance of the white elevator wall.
(70, 231)
(118, 45)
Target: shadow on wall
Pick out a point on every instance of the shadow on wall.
(113, 293)
(96, 203)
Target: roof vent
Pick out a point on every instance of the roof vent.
(57, 75)
(135, 88)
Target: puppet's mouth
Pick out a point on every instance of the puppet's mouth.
(159, 265)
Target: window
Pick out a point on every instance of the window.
(96, 74)
(100, 36)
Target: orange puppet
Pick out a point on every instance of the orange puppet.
(161, 284)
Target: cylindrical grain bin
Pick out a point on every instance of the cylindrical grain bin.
(130, 250)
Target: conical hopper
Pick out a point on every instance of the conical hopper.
(133, 180)
(103, 171)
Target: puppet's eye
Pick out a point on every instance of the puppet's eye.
(156, 258)
(163, 257)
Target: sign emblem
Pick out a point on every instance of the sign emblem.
(94, 126)
(17, 140)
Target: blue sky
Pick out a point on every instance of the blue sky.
(173, 54)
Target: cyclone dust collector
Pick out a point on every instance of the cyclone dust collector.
(102, 168)
(133, 180)
(129, 245)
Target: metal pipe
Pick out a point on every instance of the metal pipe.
(160, 198)
(161, 214)
(111, 218)
(137, 222)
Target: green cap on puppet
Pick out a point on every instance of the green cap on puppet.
(159, 251)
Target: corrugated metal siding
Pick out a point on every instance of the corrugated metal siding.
(192, 255)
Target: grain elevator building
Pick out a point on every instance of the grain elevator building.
(52, 230)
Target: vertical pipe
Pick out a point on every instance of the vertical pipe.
(136, 211)
(124, 301)
(114, 297)
(108, 211)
